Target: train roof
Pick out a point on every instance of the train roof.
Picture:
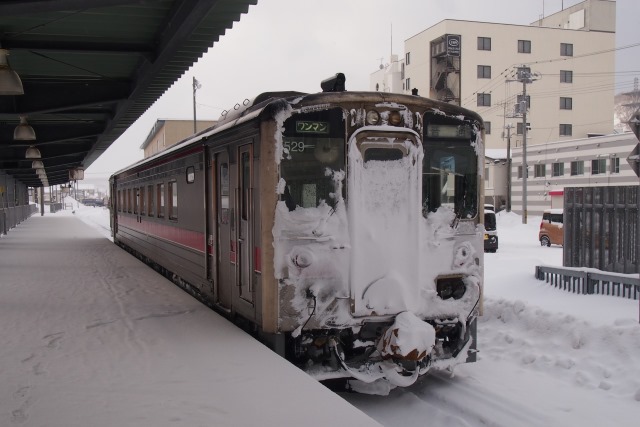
(277, 100)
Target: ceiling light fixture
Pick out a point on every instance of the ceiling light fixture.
(24, 132)
(32, 153)
(37, 164)
(10, 83)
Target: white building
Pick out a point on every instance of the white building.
(390, 76)
(570, 55)
(585, 162)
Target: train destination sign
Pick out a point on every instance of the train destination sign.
(312, 127)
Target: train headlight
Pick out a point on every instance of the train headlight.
(451, 287)
(373, 117)
(302, 257)
(395, 118)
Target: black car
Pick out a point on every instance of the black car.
(490, 231)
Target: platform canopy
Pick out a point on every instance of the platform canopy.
(89, 69)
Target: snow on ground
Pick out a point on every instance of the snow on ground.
(547, 357)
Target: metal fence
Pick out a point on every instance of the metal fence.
(10, 217)
(601, 228)
(581, 281)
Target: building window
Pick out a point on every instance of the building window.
(577, 167)
(566, 103)
(487, 128)
(484, 100)
(407, 58)
(598, 166)
(557, 169)
(539, 171)
(484, 71)
(486, 174)
(519, 172)
(519, 127)
(401, 72)
(565, 129)
(566, 76)
(408, 84)
(484, 43)
(173, 200)
(615, 165)
(524, 46)
(150, 200)
(160, 200)
(566, 49)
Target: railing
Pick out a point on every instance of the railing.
(591, 281)
(10, 217)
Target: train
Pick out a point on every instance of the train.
(342, 229)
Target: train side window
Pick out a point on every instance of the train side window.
(136, 199)
(224, 193)
(246, 182)
(150, 200)
(173, 200)
(143, 202)
(129, 200)
(191, 175)
(119, 199)
(160, 199)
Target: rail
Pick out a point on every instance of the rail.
(591, 281)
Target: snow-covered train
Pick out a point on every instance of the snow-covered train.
(341, 228)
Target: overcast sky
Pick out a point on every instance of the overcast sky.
(294, 44)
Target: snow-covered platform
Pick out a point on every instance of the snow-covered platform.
(92, 337)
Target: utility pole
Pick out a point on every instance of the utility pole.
(525, 166)
(509, 127)
(196, 86)
(524, 76)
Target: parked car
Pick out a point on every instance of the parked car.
(551, 228)
(490, 231)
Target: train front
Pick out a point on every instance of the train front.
(378, 246)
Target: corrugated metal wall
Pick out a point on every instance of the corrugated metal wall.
(601, 228)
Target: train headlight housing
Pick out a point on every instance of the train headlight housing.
(450, 287)
(395, 118)
(302, 257)
(373, 117)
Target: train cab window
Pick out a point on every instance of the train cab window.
(160, 200)
(313, 148)
(150, 200)
(173, 200)
(450, 168)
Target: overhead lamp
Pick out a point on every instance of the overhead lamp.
(10, 83)
(41, 173)
(24, 132)
(37, 164)
(32, 153)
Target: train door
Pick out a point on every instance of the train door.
(245, 221)
(384, 216)
(225, 258)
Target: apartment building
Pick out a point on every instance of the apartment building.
(568, 58)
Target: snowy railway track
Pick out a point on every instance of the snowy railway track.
(442, 399)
